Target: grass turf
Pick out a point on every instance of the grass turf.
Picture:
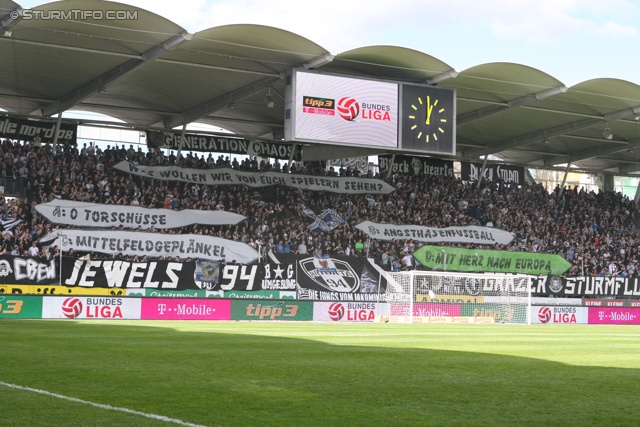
(311, 374)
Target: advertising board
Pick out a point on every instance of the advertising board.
(271, 310)
(98, 307)
(185, 309)
(342, 110)
(20, 307)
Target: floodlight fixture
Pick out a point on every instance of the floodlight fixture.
(268, 99)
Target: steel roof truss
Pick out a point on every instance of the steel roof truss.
(76, 95)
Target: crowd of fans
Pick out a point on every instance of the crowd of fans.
(595, 232)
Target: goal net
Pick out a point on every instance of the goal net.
(453, 297)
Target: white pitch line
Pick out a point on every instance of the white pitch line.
(102, 406)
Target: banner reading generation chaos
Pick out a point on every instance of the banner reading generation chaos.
(83, 214)
(485, 261)
(468, 234)
(156, 245)
(226, 176)
(221, 144)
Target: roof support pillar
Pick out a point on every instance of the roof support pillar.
(55, 134)
(484, 167)
(564, 181)
(390, 167)
(180, 142)
(293, 151)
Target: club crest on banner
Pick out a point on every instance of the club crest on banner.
(207, 274)
(5, 268)
(331, 274)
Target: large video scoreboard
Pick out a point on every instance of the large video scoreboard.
(340, 110)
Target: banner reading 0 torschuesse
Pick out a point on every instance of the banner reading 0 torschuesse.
(83, 214)
(26, 130)
(483, 260)
(226, 176)
(221, 144)
(468, 234)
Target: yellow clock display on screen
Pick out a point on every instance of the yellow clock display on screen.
(429, 119)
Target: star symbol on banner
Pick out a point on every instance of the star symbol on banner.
(278, 271)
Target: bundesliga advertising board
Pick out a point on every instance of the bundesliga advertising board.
(341, 110)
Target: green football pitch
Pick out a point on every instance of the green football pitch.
(136, 373)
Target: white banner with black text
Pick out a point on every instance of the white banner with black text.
(468, 234)
(155, 245)
(83, 214)
(226, 176)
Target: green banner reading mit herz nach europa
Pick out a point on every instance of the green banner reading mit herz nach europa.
(484, 260)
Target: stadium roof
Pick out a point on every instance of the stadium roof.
(151, 73)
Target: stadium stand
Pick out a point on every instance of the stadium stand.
(594, 232)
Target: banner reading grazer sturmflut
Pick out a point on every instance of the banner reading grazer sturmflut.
(83, 214)
(484, 260)
(226, 176)
(469, 234)
(157, 244)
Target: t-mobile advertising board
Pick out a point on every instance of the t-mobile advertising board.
(185, 309)
(614, 316)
